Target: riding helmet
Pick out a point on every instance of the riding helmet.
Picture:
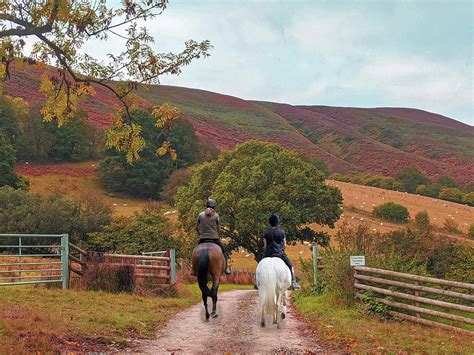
(274, 220)
(211, 203)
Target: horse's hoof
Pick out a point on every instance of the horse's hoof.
(278, 326)
(275, 322)
(283, 315)
(262, 324)
(214, 315)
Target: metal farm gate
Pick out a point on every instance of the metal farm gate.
(28, 259)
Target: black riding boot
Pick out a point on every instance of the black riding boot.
(227, 271)
(294, 284)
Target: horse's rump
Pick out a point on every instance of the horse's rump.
(273, 277)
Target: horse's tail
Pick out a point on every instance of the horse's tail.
(203, 271)
(266, 282)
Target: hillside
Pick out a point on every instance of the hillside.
(380, 140)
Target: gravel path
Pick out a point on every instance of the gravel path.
(235, 330)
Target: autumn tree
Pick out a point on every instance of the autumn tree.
(58, 30)
(253, 181)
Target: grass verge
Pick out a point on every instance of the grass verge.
(37, 319)
(352, 330)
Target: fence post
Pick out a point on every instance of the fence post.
(172, 266)
(65, 260)
(315, 263)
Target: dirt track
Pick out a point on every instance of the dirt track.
(235, 330)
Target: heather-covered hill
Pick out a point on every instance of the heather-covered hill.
(386, 140)
(379, 140)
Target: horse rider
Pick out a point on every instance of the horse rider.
(274, 242)
(207, 226)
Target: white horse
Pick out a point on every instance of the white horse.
(273, 279)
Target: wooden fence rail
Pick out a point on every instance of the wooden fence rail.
(160, 268)
(408, 302)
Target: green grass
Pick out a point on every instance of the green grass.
(41, 319)
(352, 329)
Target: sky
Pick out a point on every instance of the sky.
(370, 53)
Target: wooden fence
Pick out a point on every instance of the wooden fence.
(160, 268)
(422, 303)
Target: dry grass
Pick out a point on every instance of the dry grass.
(76, 179)
(356, 332)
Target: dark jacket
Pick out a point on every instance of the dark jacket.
(275, 238)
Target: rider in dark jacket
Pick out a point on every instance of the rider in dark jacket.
(207, 226)
(274, 242)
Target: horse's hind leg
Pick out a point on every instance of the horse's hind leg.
(283, 297)
(215, 287)
(262, 322)
(204, 300)
(276, 308)
(214, 306)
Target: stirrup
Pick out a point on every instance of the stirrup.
(227, 271)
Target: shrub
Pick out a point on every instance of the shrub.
(451, 194)
(358, 240)
(470, 231)
(323, 167)
(422, 219)
(451, 226)
(468, 199)
(446, 181)
(453, 261)
(431, 190)
(177, 179)
(410, 178)
(148, 231)
(393, 212)
(339, 177)
(109, 278)
(24, 212)
(8, 177)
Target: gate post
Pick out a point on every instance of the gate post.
(65, 260)
(172, 256)
(315, 263)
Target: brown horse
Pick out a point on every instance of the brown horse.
(208, 260)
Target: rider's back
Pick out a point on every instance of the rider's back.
(208, 225)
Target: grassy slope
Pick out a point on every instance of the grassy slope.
(357, 332)
(436, 144)
(46, 320)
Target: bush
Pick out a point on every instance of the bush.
(8, 177)
(109, 278)
(431, 190)
(358, 240)
(177, 179)
(422, 219)
(468, 199)
(148, 231)
(410, 178)
(470, 231)
(24, 212)
(451, 226)
(393, 212)
(453, 261)
(323, 167)
(451, 194)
